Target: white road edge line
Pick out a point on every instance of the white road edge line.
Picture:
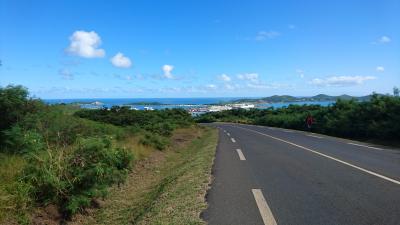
(329, 157)
(240, 153)
(233, 140)
(365, 146)
(263, 207)
(310, 135)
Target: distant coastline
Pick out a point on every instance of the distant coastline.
(205, 104)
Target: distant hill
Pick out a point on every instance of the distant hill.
(288, 98)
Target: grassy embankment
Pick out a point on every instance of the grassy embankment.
(166, 188)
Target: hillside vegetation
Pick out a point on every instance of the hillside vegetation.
(377, 119)
(61, 156)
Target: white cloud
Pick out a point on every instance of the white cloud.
(263, 35)
(384, 39)
(300, 72)
(66, 74)
(291, 26)
(167, 71)
(341, 80)
(380, 68)
(211, 86)
(119, 60)
(225, 77)
(85, 44)
(252, 77)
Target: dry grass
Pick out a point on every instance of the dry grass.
(182, 199)
(140, 151)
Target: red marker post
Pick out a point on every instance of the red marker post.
(309, 121)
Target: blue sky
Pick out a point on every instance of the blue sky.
(128, 49)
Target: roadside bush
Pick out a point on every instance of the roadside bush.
(20, 141)
(207, 118)
(72, 179)
(154, 140)
(62, 129)
(14, 105)
(162, 122)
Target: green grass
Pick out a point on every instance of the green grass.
(167, 188)
(13, 204)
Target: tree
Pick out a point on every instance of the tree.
(14, 105)
(13, 100)
(396, 91)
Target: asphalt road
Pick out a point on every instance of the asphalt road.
(266, 175)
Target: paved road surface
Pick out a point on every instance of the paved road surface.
(269, 175)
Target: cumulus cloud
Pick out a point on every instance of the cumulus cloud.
(119, 60)
(85, 44)
(263, 35)
(380, 68)
(252, 77)
(341, 80)
(225, 77)
(66, 74)
(167, 69)
(384, 40)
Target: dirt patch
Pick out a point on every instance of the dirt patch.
(183, 137)
(48, 215)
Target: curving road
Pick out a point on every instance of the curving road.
(265, 175)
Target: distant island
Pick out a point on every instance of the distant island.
(288, 98)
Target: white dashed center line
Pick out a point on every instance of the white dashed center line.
(263, 207)
(240, 153)
(233, 140)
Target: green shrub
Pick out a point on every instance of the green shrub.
(154, 140)
(162, 122)
(18, 140)
(72, 179)
(14, 105)
(62, 129)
